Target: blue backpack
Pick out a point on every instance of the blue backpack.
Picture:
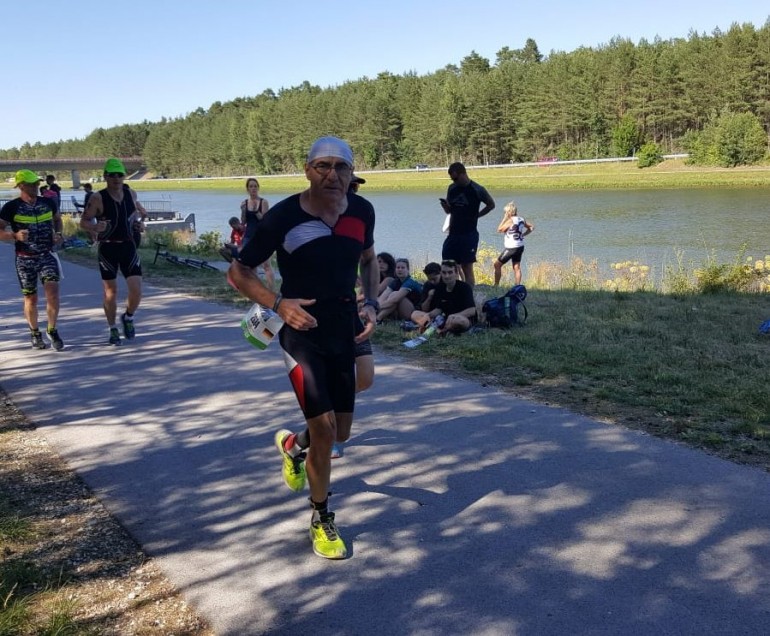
(506, 311)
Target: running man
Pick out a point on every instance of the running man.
(113, 209)
(34, 223)
(321, 236)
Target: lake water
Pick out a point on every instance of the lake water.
(651, 226)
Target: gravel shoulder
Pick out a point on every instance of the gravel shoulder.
(83, 559)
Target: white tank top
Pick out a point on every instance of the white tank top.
(514, 235)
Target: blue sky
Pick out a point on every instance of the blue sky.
(102, 64)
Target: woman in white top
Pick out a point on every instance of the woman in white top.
(515, 229)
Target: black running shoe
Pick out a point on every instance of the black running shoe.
(114, 336)
(56, 341)
(37, 340)
(128, 327)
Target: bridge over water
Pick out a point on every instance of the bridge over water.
(73, 164)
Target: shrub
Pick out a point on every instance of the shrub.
(208, 244)
(626, 137)
(649, 155)
(740, 276)
(740, 139)
(732, 139)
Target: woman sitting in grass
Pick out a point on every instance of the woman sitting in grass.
(401, 295)
(387, 265)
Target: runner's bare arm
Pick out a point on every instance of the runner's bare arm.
(370, 280)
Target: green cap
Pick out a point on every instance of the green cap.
(114, 165)
(26, 176)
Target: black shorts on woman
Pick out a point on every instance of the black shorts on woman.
(511, 254)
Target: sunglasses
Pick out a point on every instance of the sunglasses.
(115, 175)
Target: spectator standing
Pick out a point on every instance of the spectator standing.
(54, 187)
(89, 190)
(515, 228)
(253, 210)
(462, 203)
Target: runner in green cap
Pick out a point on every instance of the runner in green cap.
(113, 208)
(34, 224)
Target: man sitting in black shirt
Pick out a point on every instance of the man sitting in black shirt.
(453, 299)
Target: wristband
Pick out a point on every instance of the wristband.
(370, 302)
(277, 302)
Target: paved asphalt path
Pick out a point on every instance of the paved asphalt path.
(467, 511)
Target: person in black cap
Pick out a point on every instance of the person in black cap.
(355, 182)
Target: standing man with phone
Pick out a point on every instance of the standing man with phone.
(462, 202)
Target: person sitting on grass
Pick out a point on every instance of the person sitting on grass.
(401, 295)
(387, 265)
(230, 249)
(432, 273)
(453, 299)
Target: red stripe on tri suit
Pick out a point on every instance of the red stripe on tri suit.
(351, 227)
(297, 380)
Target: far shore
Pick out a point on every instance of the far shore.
(672, 173)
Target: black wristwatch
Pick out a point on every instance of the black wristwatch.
(370, 302)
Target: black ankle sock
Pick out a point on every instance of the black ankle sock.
(321, 508)
(303, 439)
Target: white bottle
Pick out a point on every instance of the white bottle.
(260, 325)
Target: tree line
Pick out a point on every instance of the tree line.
(599, 101)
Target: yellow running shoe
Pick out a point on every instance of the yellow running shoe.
(293, 467)
(327, 542)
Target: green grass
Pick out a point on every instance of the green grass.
(672, 173)
(691, 368)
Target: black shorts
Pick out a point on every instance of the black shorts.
(123, 257)
(461, 248)
(362, 348)
(512, 254)
(321, 361)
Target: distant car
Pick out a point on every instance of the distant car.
(421, 166)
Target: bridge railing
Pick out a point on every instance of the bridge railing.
(68, 206)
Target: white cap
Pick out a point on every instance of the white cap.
(330, 147)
